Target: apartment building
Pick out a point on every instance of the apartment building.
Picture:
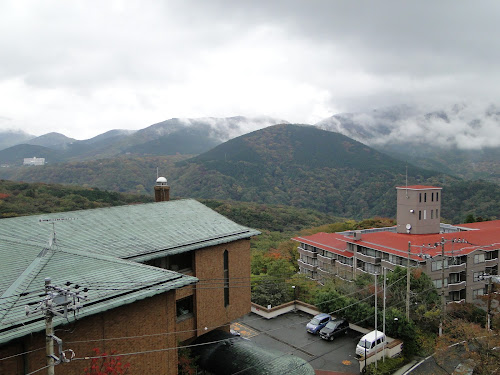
(34, 161)
(466, 251)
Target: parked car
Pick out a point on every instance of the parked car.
(317, 323)
(370, 343)
(334, 328)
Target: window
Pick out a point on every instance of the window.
(425, 197)
(478, 258)
(438, 264)
(419, 215)
(437, 283)
(425, 214)
(437, 213)
(491, 255)
(184, 308)
(371, 268)
(478, 292)
(478, 276)
(178, 262)
(432, 214)
(437, 196)
(420, 197)
(432, 197)
(455, 278)
(226, 278)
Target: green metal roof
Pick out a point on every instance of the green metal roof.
(87, 250)
(137, 232)
(221, 353)
(111, 281)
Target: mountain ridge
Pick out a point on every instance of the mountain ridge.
(295, 165)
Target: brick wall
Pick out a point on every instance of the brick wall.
(150, 316)
(209, 268)
(145, 317)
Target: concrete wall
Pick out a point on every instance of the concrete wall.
(392, 349)
(410, 200)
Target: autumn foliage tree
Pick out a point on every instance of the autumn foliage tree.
(106, 364)
(481, 347)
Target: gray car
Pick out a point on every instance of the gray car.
(334, 328)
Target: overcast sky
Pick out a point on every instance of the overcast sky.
(84, 67)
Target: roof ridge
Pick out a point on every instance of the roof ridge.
(29, 273)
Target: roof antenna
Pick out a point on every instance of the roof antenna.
(407, 180)
(52, 239)
(157, 173)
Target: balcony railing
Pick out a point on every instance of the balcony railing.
(457, 267)
(491, 262)
(312, 254)
(324, 259)
(454, 287)
(324, 271)
(307, 265)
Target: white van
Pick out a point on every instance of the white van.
(370, 343)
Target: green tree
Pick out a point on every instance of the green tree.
(268, 290)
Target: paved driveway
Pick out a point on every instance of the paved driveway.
(287, 333)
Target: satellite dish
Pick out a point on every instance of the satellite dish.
(408, 226)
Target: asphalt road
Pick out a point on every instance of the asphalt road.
(287, 333)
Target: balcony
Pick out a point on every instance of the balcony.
(456, 301)
(326, 260)
(307, 266)
(457, 267)
(386, 264)
(311, 254)
(491, 262)
(455, 287)
(324, 272)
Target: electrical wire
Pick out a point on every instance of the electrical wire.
(166, 333)
(17, 355)
(188, 346)
(40, 369)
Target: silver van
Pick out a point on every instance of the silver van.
(370, 343)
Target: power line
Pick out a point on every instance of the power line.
(17, 355)
(168, 333)
(40, 369)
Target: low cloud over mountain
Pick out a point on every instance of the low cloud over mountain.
(461, 126)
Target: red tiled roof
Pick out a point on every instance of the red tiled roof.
(327, 241)
(458, 243)
(418, 187)
(482, 225)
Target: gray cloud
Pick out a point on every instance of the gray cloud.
(81, 68)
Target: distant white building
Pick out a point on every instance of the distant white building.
(34, 161)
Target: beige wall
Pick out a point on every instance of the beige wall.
(408, 200)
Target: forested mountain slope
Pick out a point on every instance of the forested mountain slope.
(293, 165)
(300, 166)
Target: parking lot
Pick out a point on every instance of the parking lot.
(287, 333)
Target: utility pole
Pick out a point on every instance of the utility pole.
(443, 300)
(488, 317)
(57, 302)
(408, 283)
(383, 315)
(49, 330)
(376, 328)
